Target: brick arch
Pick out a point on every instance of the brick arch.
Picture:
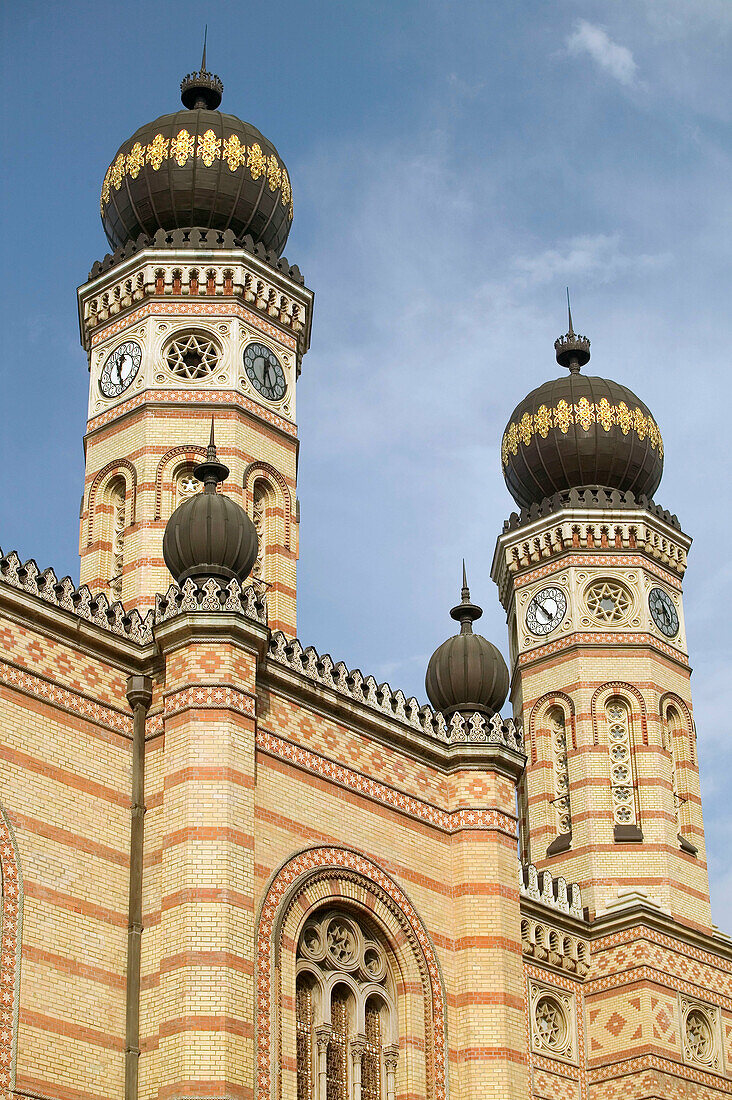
(270, 473)
(118, 465)
(11, 882)
(317, 876)
(619, 687)
(543, 704)
(190, 453)
(670, 698)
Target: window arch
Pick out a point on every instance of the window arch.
(352, 885)
(347, 1035)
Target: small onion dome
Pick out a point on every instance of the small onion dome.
(197, 168)
(580, 431)
(467, 672)
(210, 535)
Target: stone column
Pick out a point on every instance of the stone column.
(356, 1048)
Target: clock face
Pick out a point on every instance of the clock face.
(663, 612)
(120, 368)
(265, 372)
(546, 610)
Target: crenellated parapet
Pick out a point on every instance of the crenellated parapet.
(550, 890)
(460, 728)
(211, 597)
(85, 604)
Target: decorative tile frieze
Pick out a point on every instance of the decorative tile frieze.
(450, 822)
(72, 701)
(601, 637)
(210, 697)
(192, 397)
(601, 561)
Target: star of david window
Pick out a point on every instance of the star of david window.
(701, 1034)
(608, 602)
(346, 1034)
(552, 1022)
(192, 356)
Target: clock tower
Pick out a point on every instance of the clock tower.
(194, 315)
(590, 573)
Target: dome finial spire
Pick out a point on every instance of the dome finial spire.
(211, 472)
(466, 612)
(572, 351)
(201, 91)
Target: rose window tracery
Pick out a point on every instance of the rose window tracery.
(192, 356)
(609, 602)
(186, 485)
(347, 1046)
(551, 1024)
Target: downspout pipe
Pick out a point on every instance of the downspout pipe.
(139, 696)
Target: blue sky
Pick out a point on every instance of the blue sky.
(454, 165)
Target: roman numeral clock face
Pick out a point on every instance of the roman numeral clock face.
(265, 372)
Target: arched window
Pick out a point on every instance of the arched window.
(675, 734)
(557, 724)
(263, 502)
(116, 526)
(622, 779)
(185, 485)
(345, 1012)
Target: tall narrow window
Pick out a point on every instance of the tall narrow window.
(621, 762)
(337, 1065)
(675, 739)
(558, 733)
(260, 506)
(116, 502)
(304, 1028)
(371, 1073)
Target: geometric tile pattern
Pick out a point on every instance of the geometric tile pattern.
(379, 792)
(11, 882)
(71, 701)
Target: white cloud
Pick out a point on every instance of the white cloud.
(598, 257)
(613, 58)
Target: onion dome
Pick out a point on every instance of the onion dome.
(210, 535)
(197, 168)
(580, 431)
(467, 672)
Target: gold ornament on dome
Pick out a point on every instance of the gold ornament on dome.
(583, 414)
(273, 173)
(157, 152)
(234, 153)
(135, 160)
(543, 421)
(563, 416)
(207, 148)
(256, 161)
(181, 148)
(525, 429)
(604, 413)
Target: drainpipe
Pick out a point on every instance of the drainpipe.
(139, 696)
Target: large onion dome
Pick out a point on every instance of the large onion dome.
(197, 168)
(580, 431)
(467, 672)
(210, 535)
